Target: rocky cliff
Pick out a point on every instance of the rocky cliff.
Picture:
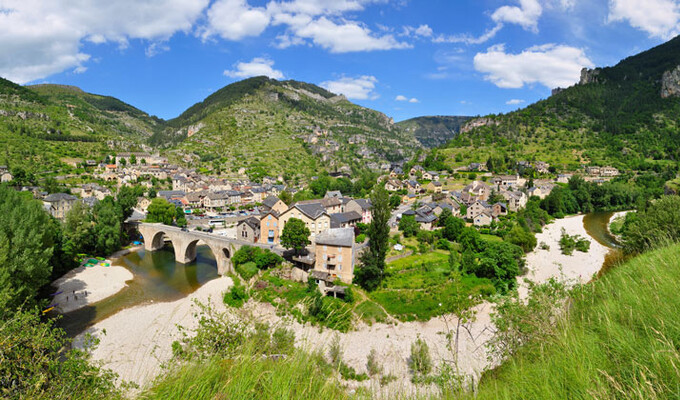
(670, 83)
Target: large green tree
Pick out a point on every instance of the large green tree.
(26, 248)
(160, 210)
(295, 235)
(108, 218)
(371, 273)
(408, 225)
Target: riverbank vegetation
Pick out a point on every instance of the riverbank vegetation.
(617, 339)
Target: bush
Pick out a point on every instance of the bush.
(237, 295)
(656, 226)
(372, 364)
(569, 243)
(360, 238)
(247, 270)
(263, 258)
(420, 361)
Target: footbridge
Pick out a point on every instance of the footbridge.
(185, 242)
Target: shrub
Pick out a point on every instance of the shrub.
(420, 361)
(247, 270)
(237, 295)
(360, 238)
(569, 243)
(372, 365)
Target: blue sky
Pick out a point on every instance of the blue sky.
(405, 58)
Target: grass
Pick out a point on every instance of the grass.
(418, 287)
(619, 341)
(250, 376)
(370, 312)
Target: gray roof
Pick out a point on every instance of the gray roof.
(171, 193)
(365, 204)
(55, 197)
(270, 201)
(342, 218)
(343, 237)
(333, 193)
(252, 222)
(312, 210)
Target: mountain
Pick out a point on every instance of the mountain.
(627, 115)
(283, 127)
(434, 131)
(44, 127)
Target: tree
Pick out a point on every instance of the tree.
(286, 197)
(443, 217)
(470, 239)
(160, 211)
(500, 262)
(370, 274)
(395, 201)
(656, 226)
(180, 218)
(133, 159)
(521, 237)
(108, 218)
(127, 198)
(295, 235)
(408, 225)
(78, 229)
(453, 227)
(26, 247)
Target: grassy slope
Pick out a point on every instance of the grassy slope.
(620, 340)
(620, 119)
(260, 123)
(50, 131)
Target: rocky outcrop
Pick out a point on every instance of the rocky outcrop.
(670, 83)
(589, 76)
(476, 123)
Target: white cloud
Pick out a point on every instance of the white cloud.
(257, 67)
(659, 18)
(361, 88)
(514, 102)
(40, 38)
(468, 39)
(550, 65)
(404, 98)
(343, 37)
(235, 20)
(526, 15)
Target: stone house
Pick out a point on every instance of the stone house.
(275, 204)
(477, 208)
(345, 220)
(515, 200)
(59, 204)
(334, 253)
(477, 191)
(431, 175)
(361, 207)
(392, 185)
(314, 215)
(435, 187)
(483, 219)
(249, 229)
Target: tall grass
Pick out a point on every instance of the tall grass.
(251, 376)
(619, 340)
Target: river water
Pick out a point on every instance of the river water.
(157, 278)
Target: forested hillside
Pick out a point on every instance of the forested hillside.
(615, 115)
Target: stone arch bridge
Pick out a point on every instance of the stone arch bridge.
(185, 242)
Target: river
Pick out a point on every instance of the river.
(157, 278)
(597, 226)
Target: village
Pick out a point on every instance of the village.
(255, 212)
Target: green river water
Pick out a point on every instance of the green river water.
(157, 278)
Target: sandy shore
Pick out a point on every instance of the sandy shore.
(134, 342)
(578, 267)
(86, 285)
(137, 340)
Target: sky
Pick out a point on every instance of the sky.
(406, 58)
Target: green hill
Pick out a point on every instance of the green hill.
(619, 340)
(44, 127)
(614, 115)
(434, 131)
(283, 127)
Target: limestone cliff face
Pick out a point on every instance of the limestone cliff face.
(589, 76)
(670, 83)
